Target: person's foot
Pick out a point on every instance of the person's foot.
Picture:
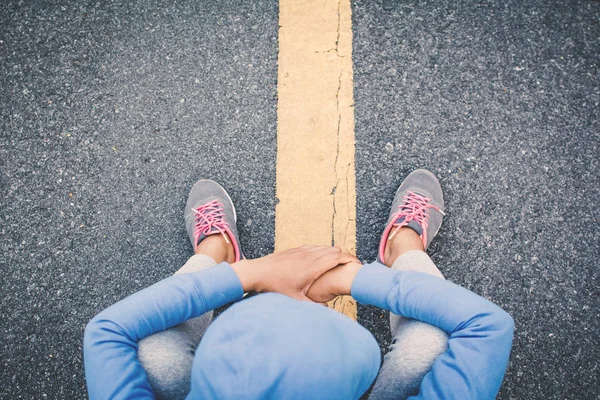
(210, 211)
(418, 207)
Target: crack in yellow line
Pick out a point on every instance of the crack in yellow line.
(315, 133)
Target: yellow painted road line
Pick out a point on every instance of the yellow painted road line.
(315, 131)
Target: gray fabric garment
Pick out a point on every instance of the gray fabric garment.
(167, 356)
(415, 344)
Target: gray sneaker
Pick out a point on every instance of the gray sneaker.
(419, 205)
(209, 211)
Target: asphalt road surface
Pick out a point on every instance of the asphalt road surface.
(110, 111)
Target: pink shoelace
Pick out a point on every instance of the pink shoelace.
(209, 216)
(413, 208)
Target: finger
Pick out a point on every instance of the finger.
(324, 250)
(347, 257)
(326, 261)
(307, 249)
(332, 255)
(292, 250)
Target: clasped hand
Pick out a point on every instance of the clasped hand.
(313, 273)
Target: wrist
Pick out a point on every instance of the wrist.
(344, 284)
(247, 275)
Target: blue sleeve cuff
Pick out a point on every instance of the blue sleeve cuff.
(218, 285)
(373, 284)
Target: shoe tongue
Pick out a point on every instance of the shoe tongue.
(414, 225)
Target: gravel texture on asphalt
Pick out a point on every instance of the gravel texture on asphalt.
(109, 112)
(501, 101)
